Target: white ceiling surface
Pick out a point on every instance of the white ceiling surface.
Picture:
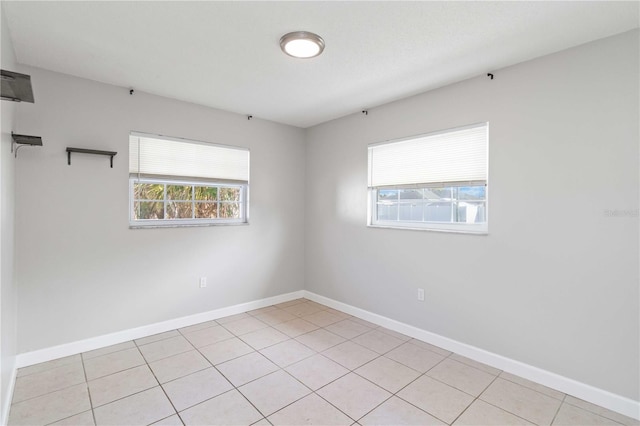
(226, 54)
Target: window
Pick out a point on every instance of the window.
(178, 182)
(436, 181)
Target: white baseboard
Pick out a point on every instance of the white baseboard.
(6, 404)
(617, 403)
(72, 348)
(603, 398)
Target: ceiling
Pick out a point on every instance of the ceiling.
(226, 54)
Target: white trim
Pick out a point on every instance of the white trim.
(6, 404)
(603, 398)
(72, 348)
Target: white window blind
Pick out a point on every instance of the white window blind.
(157, 156)
(458, 155)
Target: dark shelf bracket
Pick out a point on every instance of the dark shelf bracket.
(89, 151)
(18, 141)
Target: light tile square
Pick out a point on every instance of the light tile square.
(48, 381)
(157, 337)
(350, 355)
(51, 407)
(322, 318)
(461, 376)
(44, 366)
(395, 334)
(415, 357)
(208, 336)
(302, 309)
(244, 326)
(262, 338)
(140, 409)
(475, 364)
(570, 415)
(364, 322)
(348, 328)
(197, 327)
(110, 388)
(395, 411)
(320, 340)
(310, 410)
(108, 349)
(290, 303)
(439, 400)
(225, 350)
(317, 371)
(246, 368)
(378, 341)
(287, 352)
(481, 413)
(232, 318)
(112, 363)
(430, 347)
(195, 388)
(261, 311)
(165, 348)
(82, 419)
(296, 327)
(521, 401)
(354, 395)
(230, 408)
(275, 317)
(601, 411)
(180, 365)
(273, 392)
(388, 374)
(169, 421)
(532, 385)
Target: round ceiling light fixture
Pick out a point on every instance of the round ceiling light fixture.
(302, 44)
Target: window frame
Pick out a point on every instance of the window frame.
(481, 228)
(162, 223)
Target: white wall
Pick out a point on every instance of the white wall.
(555, 283)
(8, 291)
(84, 273)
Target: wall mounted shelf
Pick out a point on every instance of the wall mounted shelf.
(89, 151)
(15, 87)
(18, 141)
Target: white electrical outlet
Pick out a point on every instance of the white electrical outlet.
(203, 282)
(421, 294)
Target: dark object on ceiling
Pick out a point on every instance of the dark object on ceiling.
(15, 87)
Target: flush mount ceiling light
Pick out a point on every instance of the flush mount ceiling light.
(302, 44)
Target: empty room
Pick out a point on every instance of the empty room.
(320, 213)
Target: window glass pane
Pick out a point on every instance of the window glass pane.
(438, 212)
(148, 191)
(206, 210)
(230, 210)
(179, 192)
(206, 193)
(472, 192)
(148, 210)
(410, 194)
(179, 210)
(229, 194)
(388, 194)
(388, 211)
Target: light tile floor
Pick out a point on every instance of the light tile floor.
(294, 363)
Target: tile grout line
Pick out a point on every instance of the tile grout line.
(86, 381)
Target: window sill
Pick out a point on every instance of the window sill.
(445, 230)
(186, 225)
